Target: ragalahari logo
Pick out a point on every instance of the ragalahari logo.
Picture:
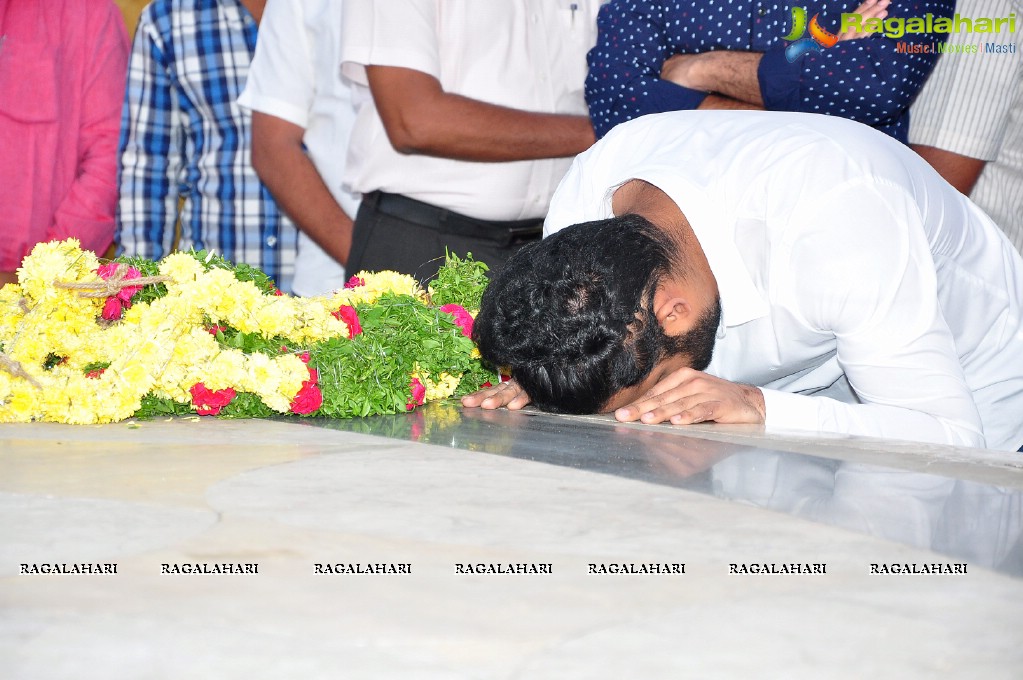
(800, 43)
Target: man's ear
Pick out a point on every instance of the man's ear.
(673, 311)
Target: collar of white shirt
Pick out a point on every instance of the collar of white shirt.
(741, 300)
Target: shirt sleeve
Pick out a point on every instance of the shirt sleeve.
(880, 302)
(867, 80)
(281, 81)
(624, 78)
(87, 210)
(946, 114)
(399, 33)
(152, 135)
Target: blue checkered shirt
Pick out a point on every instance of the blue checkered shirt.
(185, 141)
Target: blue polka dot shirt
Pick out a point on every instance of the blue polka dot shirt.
(866, 80)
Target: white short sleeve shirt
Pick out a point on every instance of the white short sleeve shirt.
(524, 54)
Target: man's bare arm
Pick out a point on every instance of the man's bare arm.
(732, 74)
(721, 103)
(960, 171)
(289, 174)
(421, 118)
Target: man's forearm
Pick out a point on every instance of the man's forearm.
(722, 103)
(420, 118)
(960, 171)
(723, 72)
(297, 186)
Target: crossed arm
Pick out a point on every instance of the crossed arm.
(732, 78)
(635, 69)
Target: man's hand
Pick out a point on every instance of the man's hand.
(687, 396)
(508, 394)
(870, 9)
(681, 70)
(728, 73)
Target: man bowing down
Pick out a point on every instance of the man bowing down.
(794, 270)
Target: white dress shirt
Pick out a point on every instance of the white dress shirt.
(847, 269)
(296, 76)
(523, 54)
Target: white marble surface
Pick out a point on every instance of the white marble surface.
(290, 495)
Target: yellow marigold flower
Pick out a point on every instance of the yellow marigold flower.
(131, 375)
(378, 283)
(13, 306)
(22, 404)
(55, 261)
(442, 388)
(275, 317)
(181, 267)
(227, 369)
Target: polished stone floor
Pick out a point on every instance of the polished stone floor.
(445, 502)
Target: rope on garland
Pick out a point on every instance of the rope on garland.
(104, 288)
(12, 367)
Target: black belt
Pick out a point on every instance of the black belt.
(440, 219)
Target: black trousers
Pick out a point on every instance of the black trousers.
(408, 236)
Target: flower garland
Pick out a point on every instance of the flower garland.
(84, 342)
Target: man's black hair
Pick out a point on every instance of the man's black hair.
(573, 314)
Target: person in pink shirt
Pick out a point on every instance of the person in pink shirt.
(63, 65)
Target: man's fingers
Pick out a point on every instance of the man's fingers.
(698, 399)
(695, 405)
(505, 394)
(871, 9)
(702, 412)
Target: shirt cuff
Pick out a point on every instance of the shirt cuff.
(668, 96)
(780, 81)
(786, 411)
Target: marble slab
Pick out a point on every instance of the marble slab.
(444, 494)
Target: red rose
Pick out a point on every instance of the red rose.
(463, 319)
(207, 402)
(112, 308)
(308, 399)
(348, 314)
(418, 394)
(355, 282)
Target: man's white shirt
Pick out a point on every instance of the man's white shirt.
(296, 76)
(859, 290)
(522, 54)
